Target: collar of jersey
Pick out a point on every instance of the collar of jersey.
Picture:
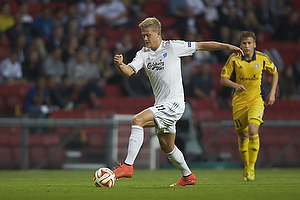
(253, 57)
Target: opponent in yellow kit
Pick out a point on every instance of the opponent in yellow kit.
(245, 75)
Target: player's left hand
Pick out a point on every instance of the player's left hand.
(238, 51)
(270, 100)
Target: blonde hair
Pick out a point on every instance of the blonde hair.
(152, 22)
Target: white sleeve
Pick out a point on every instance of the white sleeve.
(81, 8)
(138, 62)
(182, 48)
(19, 72)
(100, 10)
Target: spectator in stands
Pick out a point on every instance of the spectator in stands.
(53, 65)
(79, 74)
(58, 17)
(39, 46)
(288, 90)
(224, 97)
(28, 29)
(57, 39)
(250, 22)
(201, 85)
(87, 11)
(187, 24)
(296, 72)
(137, 85)
(249, 5)
(239, 5)
(265, 16)
(60, 95)
(187, 69)
(44, 23)
(106, 69)
(20, 47)
(135, 9)
(114, 13)
(103, 43)
(278, 7)
(198, 7)
(11, 69)
(289, 30)
(31, 67)
(37, 102)
(55, 98)
(223, 8)
(6, 20)
(92, 69)
(89, 45)
(69, 48)
(26, 18)
(76, 68)
(224, 36)
(91, 31)
(177, 8)
(72, 30)
(231, 20)
(125, 47)
(72, 22)
(66, 91)
(211, 15)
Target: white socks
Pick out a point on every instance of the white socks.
(176, 157)
(135, 142)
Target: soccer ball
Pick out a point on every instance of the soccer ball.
(104, 177)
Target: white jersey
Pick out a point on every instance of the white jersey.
(163, 68)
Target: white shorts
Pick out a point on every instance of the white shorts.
(166, 115)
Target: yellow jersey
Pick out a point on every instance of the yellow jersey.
(6, 22)
(249, 74)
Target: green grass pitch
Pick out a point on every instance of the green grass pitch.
(212, 184)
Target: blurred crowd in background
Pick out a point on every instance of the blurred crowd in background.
(58, 46)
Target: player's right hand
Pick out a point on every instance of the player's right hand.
(239, 88)
(118, 59)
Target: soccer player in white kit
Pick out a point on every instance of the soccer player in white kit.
(161, 61)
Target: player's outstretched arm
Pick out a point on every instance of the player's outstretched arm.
(125, 70)
(228, 83)
(271, 97)
(214, 46)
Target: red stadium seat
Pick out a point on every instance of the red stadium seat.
(113, 91)
(110, 102)
(36, 155)
(94, 113)
(6, 159)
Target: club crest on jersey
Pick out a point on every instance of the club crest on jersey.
(256, 66)
(189, 44)
(165, 55)
(157, 66)
(260, 112)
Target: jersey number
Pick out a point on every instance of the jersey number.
(238, 123)
(160, 107)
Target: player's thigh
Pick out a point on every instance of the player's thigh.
(166, 116)
(166, 142)
(256, 112)
(240, 118)
(253, 127)
(144, 119)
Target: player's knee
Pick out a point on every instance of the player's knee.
(166, 148)
(243, 136)
(253, 132)
(137, 120)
